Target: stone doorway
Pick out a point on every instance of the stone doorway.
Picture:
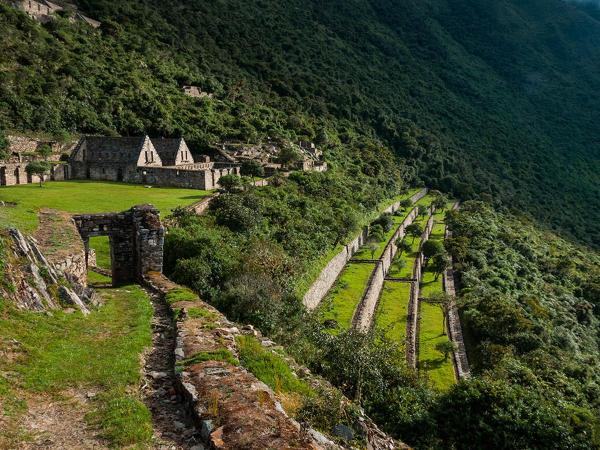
(136, 240)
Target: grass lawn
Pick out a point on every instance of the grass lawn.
(342, 300)
(86, 197)
(100, 352)
(392, 311)
(439, 371)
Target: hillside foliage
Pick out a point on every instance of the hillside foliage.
(483, 98)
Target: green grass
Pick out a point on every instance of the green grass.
(221, 354)
(96, 278)
(392, 311)
(340, 303)
(439, 371)
(101, 245)
(100, 351)
(431, 361)
(87, 197)
(181, 295)
(269, 367)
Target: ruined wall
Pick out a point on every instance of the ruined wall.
(318, 290)
(249, 413)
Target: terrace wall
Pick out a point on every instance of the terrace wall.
(461, 362)
(412, 321)
(318, 290)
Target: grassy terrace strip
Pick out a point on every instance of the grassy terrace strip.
(342, 300)
(392, 311)
(86, 197)
(100, 352)
(439, 369)
(365, 253)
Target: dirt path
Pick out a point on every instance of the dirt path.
(172, 428)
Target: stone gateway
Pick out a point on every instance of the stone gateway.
(136, 241)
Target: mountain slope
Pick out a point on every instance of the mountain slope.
(481, 97)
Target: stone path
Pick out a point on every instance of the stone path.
(173, 429)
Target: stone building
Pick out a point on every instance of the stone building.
(22, 150)
(161, 162)
(43, 10)
(196, 92)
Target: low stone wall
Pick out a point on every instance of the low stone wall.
(331, 272)
(230, 406)
(461, 362)
(326, 279)
(412, 321)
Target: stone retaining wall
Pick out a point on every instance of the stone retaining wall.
(328, 276)
(331, 272)
(461, 362)
(412, 321)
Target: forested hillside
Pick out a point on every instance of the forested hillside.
(486, 98)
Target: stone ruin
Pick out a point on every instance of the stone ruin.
(136, 241)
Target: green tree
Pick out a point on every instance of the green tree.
(44, 151)
(406, 203)
(39, 168)
(345, 224)
(415, 230)
(445, 348)
(403, 246)
(444, 302)
(3, 146)
(385, 220)
(433, 247)
(376, 233)
(231, 183)
(439, 264)
(252, 169)
(372, 246)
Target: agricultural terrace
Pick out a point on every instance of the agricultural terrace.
(87, 197)
(342, 300)
(368, 253)
(344, 297)
(438, 368)
(392, 309)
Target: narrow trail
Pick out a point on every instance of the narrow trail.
(173, 429)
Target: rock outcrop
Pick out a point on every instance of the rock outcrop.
(33, 283)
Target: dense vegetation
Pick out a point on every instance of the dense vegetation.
(484, 98)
